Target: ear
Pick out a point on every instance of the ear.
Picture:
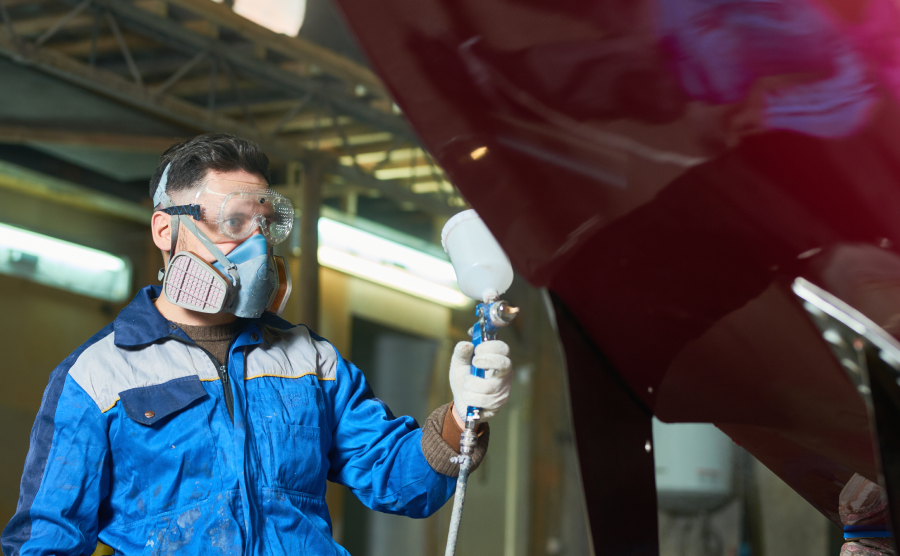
(161, 229)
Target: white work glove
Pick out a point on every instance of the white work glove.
(488, 393)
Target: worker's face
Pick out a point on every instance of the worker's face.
(210, 198)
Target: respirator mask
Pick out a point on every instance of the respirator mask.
(250, 279)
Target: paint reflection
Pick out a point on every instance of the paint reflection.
(781, 65)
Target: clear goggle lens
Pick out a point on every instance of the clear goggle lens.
(241, 213)
(237, 210)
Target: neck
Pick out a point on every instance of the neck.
(181, 315)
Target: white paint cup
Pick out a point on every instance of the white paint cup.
(483, 270)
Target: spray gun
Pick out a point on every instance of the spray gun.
(483, 272)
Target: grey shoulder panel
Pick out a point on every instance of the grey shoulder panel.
(292, 353)
(103, 370)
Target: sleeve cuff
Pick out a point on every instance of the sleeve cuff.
(440, 441)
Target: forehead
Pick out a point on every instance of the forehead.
(242, 177)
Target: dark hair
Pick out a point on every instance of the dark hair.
(192, 159)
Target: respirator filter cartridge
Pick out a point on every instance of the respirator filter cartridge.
(190, 282)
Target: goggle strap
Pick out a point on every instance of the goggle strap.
(228, 265)
(161, 196)
(184, 210)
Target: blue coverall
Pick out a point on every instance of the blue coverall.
(134, 445)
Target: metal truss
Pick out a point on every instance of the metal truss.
(200, 65)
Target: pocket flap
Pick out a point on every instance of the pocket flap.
(149, 404)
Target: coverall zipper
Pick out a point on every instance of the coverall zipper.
(222, 370)
(229, 395)
(223, 376)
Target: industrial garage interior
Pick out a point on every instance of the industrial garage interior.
(93, 91)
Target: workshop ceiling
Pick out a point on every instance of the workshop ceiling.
(107, 84)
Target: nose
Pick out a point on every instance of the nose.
(260, 223)
(255, 230)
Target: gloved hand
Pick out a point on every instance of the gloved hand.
(488, 393)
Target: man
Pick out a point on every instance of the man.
(199, 422)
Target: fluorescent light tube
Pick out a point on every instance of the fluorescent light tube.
(365, 245)
(391, 277)
(48, 247)
(63, 264)
(405, 172)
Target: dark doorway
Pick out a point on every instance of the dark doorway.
(398, 366)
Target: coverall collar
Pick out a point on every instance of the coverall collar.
(140, 323)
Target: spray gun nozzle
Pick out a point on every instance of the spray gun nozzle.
(502, 313)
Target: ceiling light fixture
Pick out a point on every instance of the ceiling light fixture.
(366, 255)
(63, 264)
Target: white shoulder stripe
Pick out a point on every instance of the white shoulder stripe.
(104, 369)
(291, 353)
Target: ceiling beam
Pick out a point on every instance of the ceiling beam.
(42, 186)
(16, 3)
(374, 147)
(199, 86)
(38, 25)
(22, 134)
(105, 45)
(276, 107)
(303, 128)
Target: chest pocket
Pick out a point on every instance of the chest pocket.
(291, 436)
(165, 432)
(150, 404)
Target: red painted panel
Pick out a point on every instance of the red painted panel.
(666, 168)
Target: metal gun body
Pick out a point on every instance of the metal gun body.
(491, 316)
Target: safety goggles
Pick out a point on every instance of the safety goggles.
(234, 210)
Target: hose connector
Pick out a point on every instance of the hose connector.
(468, 440)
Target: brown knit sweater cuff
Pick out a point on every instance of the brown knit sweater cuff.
(438, 452)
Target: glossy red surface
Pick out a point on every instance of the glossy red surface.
(666, 169)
